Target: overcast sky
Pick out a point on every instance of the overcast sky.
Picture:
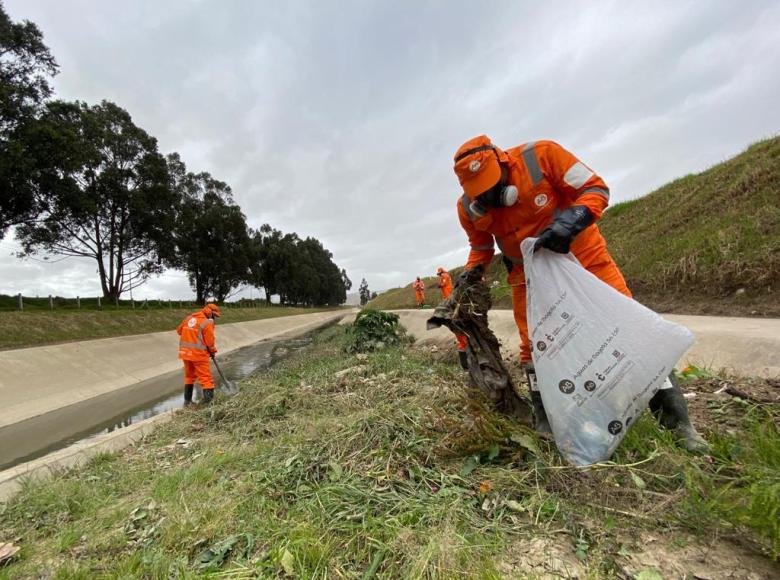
(339, 119)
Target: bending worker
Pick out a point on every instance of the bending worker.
(419, 292)
(197, 345)
(541, 190)
(445, 285)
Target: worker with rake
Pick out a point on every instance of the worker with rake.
(197, 345)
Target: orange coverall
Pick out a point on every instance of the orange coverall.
(445, 284)
(419, 291)
(549, 179)
(196, 340)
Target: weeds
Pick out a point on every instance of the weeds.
(391, 470)
(375, 329)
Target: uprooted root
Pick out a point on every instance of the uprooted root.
(465, 312)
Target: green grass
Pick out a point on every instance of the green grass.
(399, 298)
(389, 470)
(703, 237)
(39, 327)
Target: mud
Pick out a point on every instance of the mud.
(673, 554)
(465, 312)
(720, 403)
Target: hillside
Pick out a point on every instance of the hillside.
(396, 298)
(707, 243)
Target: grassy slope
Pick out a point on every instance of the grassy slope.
(690, 245)
(396, 298)
(701, 238)
(374, 474)
(38, 327)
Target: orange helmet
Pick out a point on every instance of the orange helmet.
(212, 309)
(477, 165)
(439, 271)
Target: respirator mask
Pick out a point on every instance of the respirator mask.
(499, 196)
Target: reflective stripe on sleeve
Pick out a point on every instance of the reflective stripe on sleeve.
(183, 344)
(532, 163)
(577, 175)
(203, 325)
(482, 248)
(600, 190)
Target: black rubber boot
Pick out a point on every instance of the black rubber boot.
(541, 424)
(208, 396)
(671, 411)
(464, 360)
(188, 395)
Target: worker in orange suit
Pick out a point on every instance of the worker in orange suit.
(445, 285)
(197, 344)
(419, 292)
(539, 189)
(445, 282)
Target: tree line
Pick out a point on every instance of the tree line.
(82, 180)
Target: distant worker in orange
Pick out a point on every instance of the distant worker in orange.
(419, 292)
(445, 285)
(445, 282)
(541, 190)
(197, 345)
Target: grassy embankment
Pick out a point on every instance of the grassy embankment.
(37, 325)
(707, 243)
(390, 470)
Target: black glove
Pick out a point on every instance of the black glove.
(508, 264)
(559, 235)
(474, 273)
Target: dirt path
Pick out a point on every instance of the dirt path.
(741, 346)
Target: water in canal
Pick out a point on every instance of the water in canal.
(68, 426)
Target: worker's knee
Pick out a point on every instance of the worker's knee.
(608, 272)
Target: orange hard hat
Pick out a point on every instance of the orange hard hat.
(212, 308)
(477, 165)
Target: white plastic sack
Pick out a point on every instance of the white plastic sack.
(599, 356)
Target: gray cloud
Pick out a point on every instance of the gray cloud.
(339, 120)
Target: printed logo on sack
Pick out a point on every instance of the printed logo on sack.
(600, 377)
(474, 166)
(590, 386)
(541, 200)
(615, 427)
(565, 315)
(566, 387)
(541, 346)
(192, 322)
